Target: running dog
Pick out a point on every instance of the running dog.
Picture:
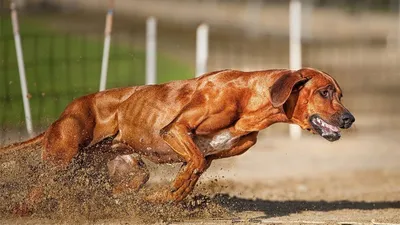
(194, 122)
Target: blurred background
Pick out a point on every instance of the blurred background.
(356, 41)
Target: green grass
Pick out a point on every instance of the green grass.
(61, 67)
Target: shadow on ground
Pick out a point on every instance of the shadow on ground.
(284, 208)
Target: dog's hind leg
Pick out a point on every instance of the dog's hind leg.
(128, 173)
(62, 142)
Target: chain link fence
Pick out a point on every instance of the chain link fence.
(355, 41)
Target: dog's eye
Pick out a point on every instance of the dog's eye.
(324, 93)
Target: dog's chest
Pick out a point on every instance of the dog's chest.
(217, 143)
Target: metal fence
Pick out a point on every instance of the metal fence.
(60, 66)
(63, 51)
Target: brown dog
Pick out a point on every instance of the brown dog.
(194, 121)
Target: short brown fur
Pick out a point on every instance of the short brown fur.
(160, 122)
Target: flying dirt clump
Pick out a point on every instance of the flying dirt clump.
(83, 192)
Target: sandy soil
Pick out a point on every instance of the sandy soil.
(279, 181)
(355, 180)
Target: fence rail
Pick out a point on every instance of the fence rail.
(65, 63)
(59, 68)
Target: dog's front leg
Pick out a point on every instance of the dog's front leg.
(178, 137)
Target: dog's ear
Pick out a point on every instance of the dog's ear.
(283, 87)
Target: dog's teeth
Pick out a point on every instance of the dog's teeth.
(328, 128)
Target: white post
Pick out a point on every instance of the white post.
(295, 49)
(201, 49)
(151, 51)
(21, 68)
(106, 49)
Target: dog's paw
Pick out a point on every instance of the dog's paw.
(22, 209)
(160, 197)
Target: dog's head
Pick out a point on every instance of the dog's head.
(312, 100)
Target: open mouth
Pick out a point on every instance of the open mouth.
(326, 130)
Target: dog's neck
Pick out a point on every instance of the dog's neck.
(259, 105)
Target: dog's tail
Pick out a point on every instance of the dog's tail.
(21, 145)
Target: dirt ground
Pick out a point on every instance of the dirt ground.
(309, 181)
(279, 181)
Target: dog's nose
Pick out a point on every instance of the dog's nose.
(346, 120)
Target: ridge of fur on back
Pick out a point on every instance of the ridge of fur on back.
(21, 145)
